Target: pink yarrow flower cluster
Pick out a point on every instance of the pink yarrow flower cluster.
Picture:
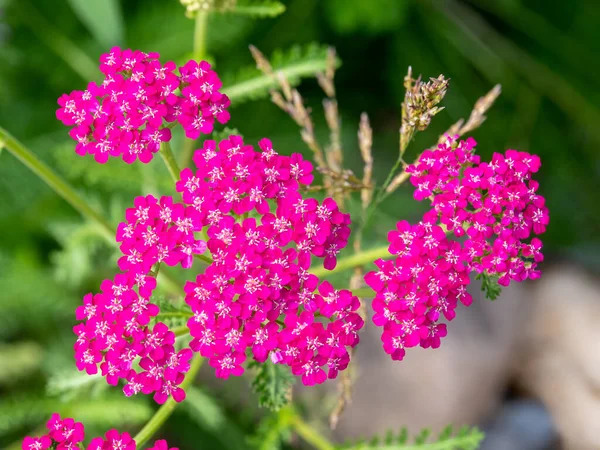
(258, 295)
(413, 291)
(66, 434)
(115, 330)
(126, 115)
(495, 206)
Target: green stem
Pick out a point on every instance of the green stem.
(170, 161)
(163, 413)
(200, 31)
(310, 435)
(381, 195)
(389, 178)
(52, 179)
(199, 53)
(68, 193)
(358, 259)
(365, 292)
(174, 314)
(208, 260)
(180, 331)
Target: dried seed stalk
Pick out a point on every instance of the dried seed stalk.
(460, 128)
(365, 143)
(477, 116)
(420, 105)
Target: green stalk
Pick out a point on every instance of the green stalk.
(200, 31)
(206, 259)
(170, 161)
(199, 53)
(52, 179)
(358, 259)
(67, 192)
(183, 330)
(165, 411)
(365, 292)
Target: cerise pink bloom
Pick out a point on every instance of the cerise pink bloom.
(129, 114)
(494, 207)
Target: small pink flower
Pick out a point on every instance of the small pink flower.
(36, 443)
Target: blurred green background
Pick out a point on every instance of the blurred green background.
(544, 55)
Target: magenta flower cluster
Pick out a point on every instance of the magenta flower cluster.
(127, 114)
(116, 332)
(495, 206)
(258, 293)
(424, 282)
(66, 434)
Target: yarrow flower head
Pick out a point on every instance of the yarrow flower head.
(66, 434)
(115, 331)
(495, 206)
(127, 114)
(256, 295)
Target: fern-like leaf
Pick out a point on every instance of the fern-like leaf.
(465, 438)
(295, 64)
(225, 133)
(83, 245)
(174, 313)
(257, 8)
(69, 384)
(113, 177)
(272, 383)
(489, 285)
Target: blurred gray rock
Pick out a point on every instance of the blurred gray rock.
(560, 358)
(523, 425)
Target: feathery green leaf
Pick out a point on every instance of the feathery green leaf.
(464, 439)
(272, 383)
(295, 64)
(257, 8)
(173, 312)
(489, 285)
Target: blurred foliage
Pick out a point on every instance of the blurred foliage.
(543, 55)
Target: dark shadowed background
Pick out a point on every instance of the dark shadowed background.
(544, 54)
